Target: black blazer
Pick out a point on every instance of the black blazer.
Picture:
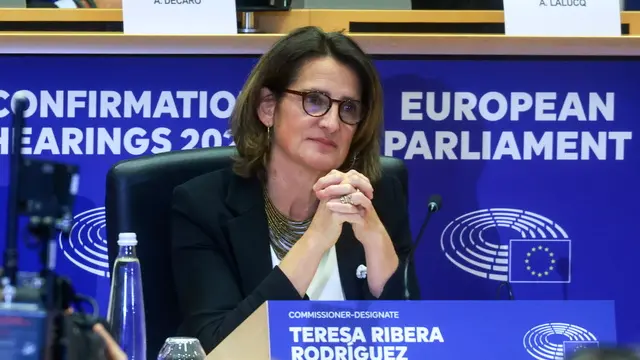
(222, 261)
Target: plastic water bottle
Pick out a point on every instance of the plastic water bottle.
(126, 303)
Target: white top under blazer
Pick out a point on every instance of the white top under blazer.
(326, 283)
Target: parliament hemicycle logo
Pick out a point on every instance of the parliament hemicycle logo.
(557, 341)
(86, 246)
(534, 250)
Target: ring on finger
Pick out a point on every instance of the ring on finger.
(346, 199)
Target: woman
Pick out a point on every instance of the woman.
(305, 207)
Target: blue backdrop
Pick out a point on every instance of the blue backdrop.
(534, 158)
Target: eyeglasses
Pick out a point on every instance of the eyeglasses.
(316, 104)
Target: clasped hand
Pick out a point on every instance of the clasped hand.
(346, 197)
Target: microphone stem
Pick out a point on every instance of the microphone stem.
(407, 292)
(507, 285)
(13, 203)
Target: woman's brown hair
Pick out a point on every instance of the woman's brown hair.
(277, 69)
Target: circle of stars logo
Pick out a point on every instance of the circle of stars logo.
(544, 251)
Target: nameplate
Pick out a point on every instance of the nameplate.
(401, 330)
(562, 17)
(179, 17)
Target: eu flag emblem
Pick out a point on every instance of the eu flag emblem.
(539, 261)
(573, 347)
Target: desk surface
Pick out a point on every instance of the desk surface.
(278, 23)
(285, 21)
(375, 44)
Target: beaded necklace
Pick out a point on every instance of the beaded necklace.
(283, 232)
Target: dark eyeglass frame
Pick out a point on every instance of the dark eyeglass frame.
(304, 94)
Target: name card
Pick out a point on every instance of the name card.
(562, 17)
(179, 17)
(405, 330)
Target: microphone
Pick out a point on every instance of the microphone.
(19, 103)
(435, 203)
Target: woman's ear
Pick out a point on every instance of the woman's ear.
(267, 107)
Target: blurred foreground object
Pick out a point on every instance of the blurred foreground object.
(606, 354)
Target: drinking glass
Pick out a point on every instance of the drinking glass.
(181, 348)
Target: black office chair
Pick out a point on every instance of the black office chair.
(138, 199)
(456, 5)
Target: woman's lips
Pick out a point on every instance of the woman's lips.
(325, 141)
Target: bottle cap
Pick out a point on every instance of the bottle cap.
(127, 239)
